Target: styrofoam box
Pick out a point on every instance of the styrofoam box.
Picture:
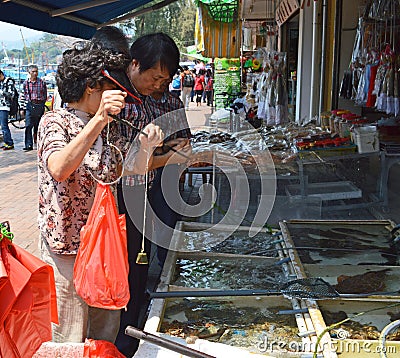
(367, 139)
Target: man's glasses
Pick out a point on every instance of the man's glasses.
(123, 88)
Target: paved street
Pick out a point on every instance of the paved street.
(18, 185)
(18, 193)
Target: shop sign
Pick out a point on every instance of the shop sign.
(286, 9)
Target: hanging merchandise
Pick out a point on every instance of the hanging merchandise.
(272, 96)
(381, 83)
(372, 79)
(261, 97)
(219, 36)
(247, 39)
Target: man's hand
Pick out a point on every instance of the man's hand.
(151, 137)
(177, 151)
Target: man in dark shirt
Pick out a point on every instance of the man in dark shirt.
(155, 59)
(170, 114)
(35, 92)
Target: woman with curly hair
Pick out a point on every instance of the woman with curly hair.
(72, 149)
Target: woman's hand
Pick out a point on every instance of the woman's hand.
(112, 102)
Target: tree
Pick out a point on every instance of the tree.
(49, 48)
(177, 20)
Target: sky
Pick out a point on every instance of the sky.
(11, 36)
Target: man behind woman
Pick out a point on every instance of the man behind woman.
(35, 92)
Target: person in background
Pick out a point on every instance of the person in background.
(187, 85)
(72, 147)
(209, 87)
(199, 66)
(35, 92)
(199, 86)
(192, 93)
(175, 86)
(6, 93)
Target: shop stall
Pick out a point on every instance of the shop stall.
(221, 290)
(237, 295)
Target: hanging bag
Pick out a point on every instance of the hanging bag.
(176, 83)
(37, 109)
(101, 266)
(27, 300)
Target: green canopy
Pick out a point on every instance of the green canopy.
(192, 52)
(222, 10)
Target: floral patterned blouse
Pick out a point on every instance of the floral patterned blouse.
(64, 206)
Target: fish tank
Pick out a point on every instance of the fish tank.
(244, 260)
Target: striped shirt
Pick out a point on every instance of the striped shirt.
(140, 115)
(168, 113)
(35, 91)
(170, 116)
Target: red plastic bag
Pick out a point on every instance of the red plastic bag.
(27, 301)
(100, 349)
(101, 266)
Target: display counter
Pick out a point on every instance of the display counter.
(335, 174)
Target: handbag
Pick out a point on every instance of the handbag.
(37, 109)
(101, 266)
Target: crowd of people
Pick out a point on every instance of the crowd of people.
(103, 84)
(191, 85)
(34, 95)
(194, 85)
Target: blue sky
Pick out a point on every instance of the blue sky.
(11, 36)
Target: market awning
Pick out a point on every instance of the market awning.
(79, 18)
(216, 38)
(191, 51)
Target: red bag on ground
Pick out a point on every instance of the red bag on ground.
(100, 349)
(27, 301)
(101, 266)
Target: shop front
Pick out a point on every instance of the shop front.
(300, 195)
